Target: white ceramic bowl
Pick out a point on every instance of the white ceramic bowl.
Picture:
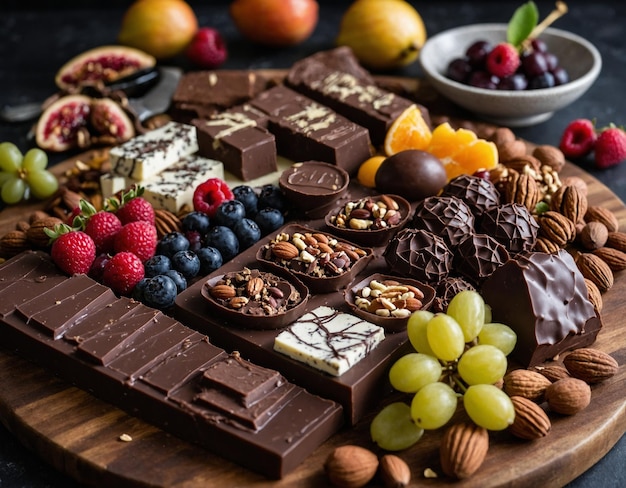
(507, 107)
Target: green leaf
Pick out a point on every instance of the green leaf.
(522, 23)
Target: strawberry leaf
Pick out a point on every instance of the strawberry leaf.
(522, 23)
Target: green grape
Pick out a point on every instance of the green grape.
(4, 176)
(482, 364)
(42, 183)
(35, 159)
(13, 190)
(488, 316)
(10, 157)
(499, 335)
(413, 371)
(445, 337)
(489, 407)
(433, 406)
(416, 330)
(468, 308)
(393, 428)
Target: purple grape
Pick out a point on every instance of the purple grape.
(544, 80)
(552, 61)
(458, 70)
(482, 79)
(534, 64)
(477, 52)
(539, 45)
(514, 82)
(561, 76)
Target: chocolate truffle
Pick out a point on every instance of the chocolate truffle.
(418, 254)
(479, 193)
(447, 288)
(479, 255)
(512, 225)
(412, 174)
(448, 217)
(543, 298)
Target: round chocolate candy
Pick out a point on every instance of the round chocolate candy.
(479, 193)
(512, 225)
(448, 217)
(411, 174)
(479, 255)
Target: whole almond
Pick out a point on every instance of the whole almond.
(568, 396)
(551, 156)
(526, 383)
(596, 270)
(590, 365)
(602, 214)
(351, 466)
(36, 234)
(553, 372)
(614, 258)
(222, 292)
(511, 150)
(463, 449)
(594, 295)
(570, 202)
(617, 240)
(394, 471)
(13, 243)
(285, 250)
(531, 422)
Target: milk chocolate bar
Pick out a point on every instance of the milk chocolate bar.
(350, 95)
(144, 361)
(307, 130)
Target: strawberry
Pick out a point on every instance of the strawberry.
(139, 237)
(207, 49)
(102, 227)
(131, 206)
(610, 147)
(122, 272)
(578, 138)
(73, 251)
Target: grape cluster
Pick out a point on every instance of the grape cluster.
(459, 356)
(487, 66)
(24, 175)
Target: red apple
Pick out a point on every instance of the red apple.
(207, 49)
(275, 22)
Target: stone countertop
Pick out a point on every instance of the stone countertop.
(38, 38)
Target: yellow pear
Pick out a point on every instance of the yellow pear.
(383, 34)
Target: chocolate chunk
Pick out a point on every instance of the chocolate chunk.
(512, 225)
(543, 298)
(448, 217)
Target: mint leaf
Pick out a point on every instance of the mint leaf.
(522, 23)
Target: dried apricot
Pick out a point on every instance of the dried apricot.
(408, 131)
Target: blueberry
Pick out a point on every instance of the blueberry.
(247, 232)
(187, 263)
(160, 292)
(171, 243)
(272, 196)
(269, 219)
(224, 240)
(139, 288)
(229, 213)
(196, 221)
(156, 265)
(246, 195)
(210, 259)
(178, 278)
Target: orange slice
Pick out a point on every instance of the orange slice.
(408, 131)
(367, 171)
(461, 151)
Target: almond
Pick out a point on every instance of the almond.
(570, 202)
(590, 365)
(13, 243)
(531, 422)
(394, 471)
(602, 214)
(553, 372)
(285, 250)
(568, 396)
(614, 258)
(596, 270)
(617, 240)
(526, 383)
(36, 234)
(223, 292)
(551, 156)
(594, 295)
(463, 449)
(351, 466)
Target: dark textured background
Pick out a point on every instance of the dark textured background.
(38, 36)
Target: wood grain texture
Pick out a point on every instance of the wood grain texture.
(80, 435)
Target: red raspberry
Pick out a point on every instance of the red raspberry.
(208, 196)
(207, 49)
(136, 209)
(140, 238)
(102, 228)
(578, 138)
(503, 60)
(610, 148)
(73, 251)
(122, 272)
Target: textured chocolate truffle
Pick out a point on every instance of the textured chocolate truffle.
(543, 298)
(479, 193)
(418, 254)
(446, 290)
(512, 225)
(479, 255)
(448, 217)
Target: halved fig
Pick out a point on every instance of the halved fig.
(60, 122)
(102, 64)
(108, 118)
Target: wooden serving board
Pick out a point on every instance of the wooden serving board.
(80, 435)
